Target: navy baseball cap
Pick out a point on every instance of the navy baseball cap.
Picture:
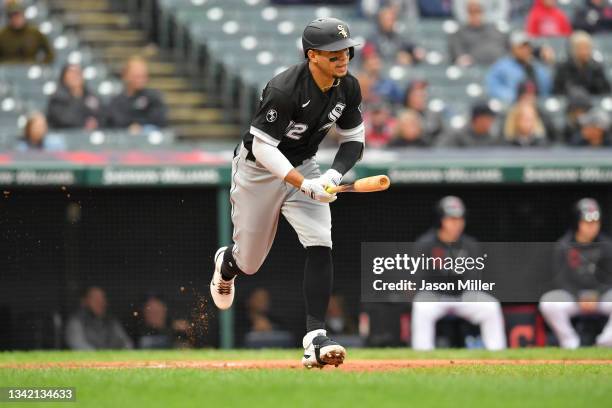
(452, 206)
(588, 210)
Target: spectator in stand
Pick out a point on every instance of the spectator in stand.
(524, 127)
(91, 328)
(478, 133)
(407, 10)
(545, 19)
(388, 44)
(368, 93)
(527, 93)
(155, 331)
(476, 42)
(593, 16)
(266, 329)
(73, 105)
(373, 86)
(594, 130)
(409, 131)
(505, 76)
(259, 314)
(579, 103)
(379, 125)
(137, 107)
(492, 11)
(581, 70)
(416, 98)
(20, 42)
(36, 136)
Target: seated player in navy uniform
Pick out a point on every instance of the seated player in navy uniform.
(582, 277)
(447, 239)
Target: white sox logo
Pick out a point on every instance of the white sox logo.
(336, 112)
(333, 116)
(342, 31)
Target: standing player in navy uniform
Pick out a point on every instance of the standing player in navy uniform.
(274, 172)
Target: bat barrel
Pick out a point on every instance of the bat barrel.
(374, 183)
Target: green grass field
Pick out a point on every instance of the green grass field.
(537, 385)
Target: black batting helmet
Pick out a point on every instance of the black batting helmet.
(328, 34)
(449, 206)
(586, 209)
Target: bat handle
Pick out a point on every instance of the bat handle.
(338, 189)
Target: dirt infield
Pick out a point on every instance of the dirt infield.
(351, 365)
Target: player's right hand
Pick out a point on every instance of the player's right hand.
(315, 189)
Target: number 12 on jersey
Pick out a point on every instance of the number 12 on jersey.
(295, 130)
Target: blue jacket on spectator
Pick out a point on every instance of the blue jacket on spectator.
(51, 143)
(436, 8)
(388, 90)
(505, 76)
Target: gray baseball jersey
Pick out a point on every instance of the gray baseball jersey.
(294, 115)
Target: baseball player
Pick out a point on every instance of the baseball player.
(447, 239)
(583, 277)
(274, 171)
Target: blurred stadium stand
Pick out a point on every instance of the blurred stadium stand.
(236, 46)
(113, 29)
(212, 58)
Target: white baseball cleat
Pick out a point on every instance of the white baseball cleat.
(222, 291)
(322, 351)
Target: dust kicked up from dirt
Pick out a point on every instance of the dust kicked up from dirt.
(200, 318)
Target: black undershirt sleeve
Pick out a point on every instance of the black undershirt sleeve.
(348, 155)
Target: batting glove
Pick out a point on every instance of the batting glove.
(315, 189)
(331, 178)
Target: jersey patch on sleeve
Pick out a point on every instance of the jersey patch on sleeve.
(271, 115)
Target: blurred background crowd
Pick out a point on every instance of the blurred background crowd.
(460, 73)
(525, 69)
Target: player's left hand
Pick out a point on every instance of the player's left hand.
(315, 189)
(331, 178)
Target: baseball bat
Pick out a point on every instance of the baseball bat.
(364, 185)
